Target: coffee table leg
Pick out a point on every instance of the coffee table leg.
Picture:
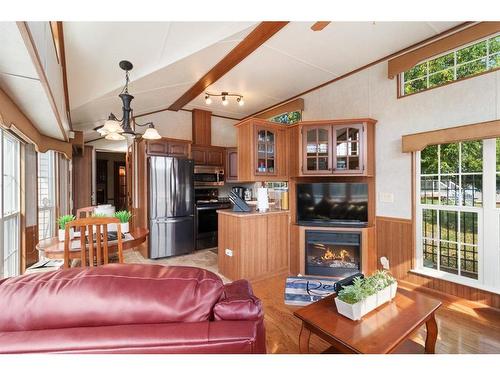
(432, 332)
(304, 337)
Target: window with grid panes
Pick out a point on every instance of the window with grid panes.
(458, 186)
(478, 57)
(46, 195)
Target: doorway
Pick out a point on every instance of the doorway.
(111, 179)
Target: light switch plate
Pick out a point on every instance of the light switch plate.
(229, 252)
(387, 197)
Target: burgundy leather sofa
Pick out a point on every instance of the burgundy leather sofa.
(129, 308)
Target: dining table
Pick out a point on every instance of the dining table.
(53, 248)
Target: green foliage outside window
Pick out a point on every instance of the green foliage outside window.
(465, 62)
(288, 118)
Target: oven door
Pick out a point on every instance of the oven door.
(206, 227)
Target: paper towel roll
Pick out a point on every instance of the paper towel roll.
(262, 200)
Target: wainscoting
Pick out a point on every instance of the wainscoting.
(30, 255)
(395, 241)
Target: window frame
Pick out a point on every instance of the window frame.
(16, 213)
(488, 222)
(52, 209)
(400, 77)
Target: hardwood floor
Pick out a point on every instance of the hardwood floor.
(463, 328)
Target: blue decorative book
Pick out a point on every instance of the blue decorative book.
(301, 290)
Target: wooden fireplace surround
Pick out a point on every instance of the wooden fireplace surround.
(367, 242)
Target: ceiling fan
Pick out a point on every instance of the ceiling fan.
(320, 25)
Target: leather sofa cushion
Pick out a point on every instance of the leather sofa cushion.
(197, 337)
(238, 302)
(114, 294)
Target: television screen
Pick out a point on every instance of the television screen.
(332, 203)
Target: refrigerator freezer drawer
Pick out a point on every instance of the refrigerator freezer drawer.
(170, 237)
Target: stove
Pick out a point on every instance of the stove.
(206, 220)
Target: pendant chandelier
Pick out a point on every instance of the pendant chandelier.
(117, 130)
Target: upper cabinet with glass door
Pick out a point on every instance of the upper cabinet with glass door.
(338, 147)
(262, 151)
(266, 155)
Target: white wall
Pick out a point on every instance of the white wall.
(178, 125)
(370, 93)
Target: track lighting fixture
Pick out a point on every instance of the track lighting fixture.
(224, 97)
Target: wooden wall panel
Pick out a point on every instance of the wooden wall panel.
(82, 179)
(278, 242)
(30, 239)
(294, 249)
(202, 127)
(395, 241)
(253, 233)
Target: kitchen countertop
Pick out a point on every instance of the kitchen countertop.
(254, 212)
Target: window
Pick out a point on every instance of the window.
(9, 205)
(288, 118)
(46, 195)
(457, 212)
(461, 63)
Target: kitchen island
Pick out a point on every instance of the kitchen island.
(253, 245)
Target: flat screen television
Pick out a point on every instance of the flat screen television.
(330, 204)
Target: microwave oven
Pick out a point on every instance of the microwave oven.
(208, 176)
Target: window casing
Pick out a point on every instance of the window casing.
(457, 218)
(46, 195)
(464, 62)
(10, 214)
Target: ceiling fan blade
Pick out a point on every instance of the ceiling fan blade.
(320, 25)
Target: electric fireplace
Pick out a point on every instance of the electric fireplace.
(334, 254)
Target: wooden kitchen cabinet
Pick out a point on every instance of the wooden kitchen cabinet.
(168, 147)
(254, 245)
(231, 164)
(208, 155)
(262, 151)
(337, 147)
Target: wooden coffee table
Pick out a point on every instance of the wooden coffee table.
(380, 331)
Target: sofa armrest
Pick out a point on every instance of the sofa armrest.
(238, 303)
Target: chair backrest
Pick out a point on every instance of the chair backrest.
(98, 250)
(85, 212)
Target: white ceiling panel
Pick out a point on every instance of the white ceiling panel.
(94, 49)
(14, 55)
(30, 97)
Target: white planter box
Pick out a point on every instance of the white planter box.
(114, 227)
(357, 310)
(62, 233)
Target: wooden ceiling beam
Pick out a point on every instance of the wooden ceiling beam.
(254, 40)
(320, 25)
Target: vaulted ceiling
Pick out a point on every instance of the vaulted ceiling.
(169, 57)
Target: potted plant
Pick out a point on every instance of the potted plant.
(350, 300)
(124, 217)
(61, 222)
(365, 295)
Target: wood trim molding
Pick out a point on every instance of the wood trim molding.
(482, 130)
(407, 60)
(62, 53)
(32, 51)
(413, 46)
(394, 219)
(294, 105)
(254, 40)
(14, 119)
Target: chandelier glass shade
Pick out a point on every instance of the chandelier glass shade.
(116, 130)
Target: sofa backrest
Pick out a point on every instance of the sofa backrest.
(114, 294)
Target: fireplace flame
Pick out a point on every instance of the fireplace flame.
(342, 255)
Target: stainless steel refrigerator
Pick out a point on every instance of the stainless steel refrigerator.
(171, 206)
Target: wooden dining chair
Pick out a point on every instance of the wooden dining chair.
(85, 212)
(95, 252)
